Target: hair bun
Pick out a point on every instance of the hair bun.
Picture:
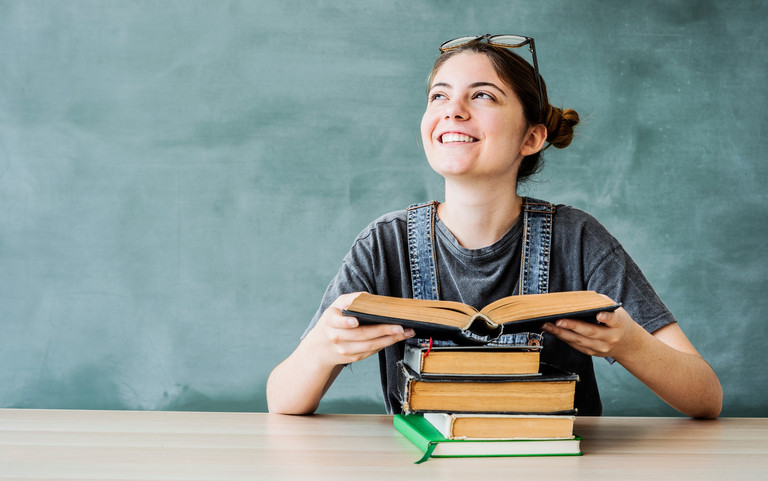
(560, 125)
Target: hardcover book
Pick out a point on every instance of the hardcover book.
(501, 426)
(551, 391)
(433, 444)
(465, 324)
(472, 360)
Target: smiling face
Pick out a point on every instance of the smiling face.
(474, 126)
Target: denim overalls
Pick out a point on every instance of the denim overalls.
(534, 267)
(536, 241)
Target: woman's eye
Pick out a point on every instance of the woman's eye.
(484, 95)
(436, 96)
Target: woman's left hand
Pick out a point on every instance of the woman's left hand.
(665, 361)
(612, 338)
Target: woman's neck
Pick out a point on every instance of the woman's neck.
(479, 217)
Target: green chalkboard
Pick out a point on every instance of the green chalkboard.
(180, 180)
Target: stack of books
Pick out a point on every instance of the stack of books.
(474, 395)
(485, 401)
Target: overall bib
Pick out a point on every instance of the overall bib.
(534, 268)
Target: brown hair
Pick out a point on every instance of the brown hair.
(521, 77)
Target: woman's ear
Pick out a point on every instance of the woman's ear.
(534, 140)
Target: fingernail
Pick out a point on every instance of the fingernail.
(397, 329)
(562, 323)
(352, 322)
(410, 333)
(547, 326)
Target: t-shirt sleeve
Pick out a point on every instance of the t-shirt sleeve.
(348, 279)
(613, 272)
(373, 264)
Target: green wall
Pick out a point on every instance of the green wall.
(180, 180)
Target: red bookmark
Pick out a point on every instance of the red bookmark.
(429, 348)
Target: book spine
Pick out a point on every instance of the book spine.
(404, 384)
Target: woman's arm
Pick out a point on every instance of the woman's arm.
(297, 384)
(665, 361)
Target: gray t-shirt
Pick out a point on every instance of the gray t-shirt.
(584, 256)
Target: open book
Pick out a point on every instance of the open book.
(465, 324)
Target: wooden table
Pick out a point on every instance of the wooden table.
(142, 445)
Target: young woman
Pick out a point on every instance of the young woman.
(486, 122)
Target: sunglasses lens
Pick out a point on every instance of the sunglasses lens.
(510, 41)
(456, 42)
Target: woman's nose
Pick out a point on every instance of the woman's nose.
(456, 109)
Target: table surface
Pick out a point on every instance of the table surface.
(143, 445)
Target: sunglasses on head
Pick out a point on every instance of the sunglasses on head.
(503, 41)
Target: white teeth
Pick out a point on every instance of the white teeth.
(448, 138)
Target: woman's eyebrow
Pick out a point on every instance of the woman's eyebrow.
(472, 86)
(440, 84)
(488, 84)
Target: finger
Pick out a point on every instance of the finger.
(586, 329)
(344, 300)
(357, 350)
(586, 337)
(613, 318)
(562, 332)
(373, 331)
(337, 320)
(575, 340)
(335, 316)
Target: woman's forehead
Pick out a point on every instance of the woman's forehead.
(467, 68)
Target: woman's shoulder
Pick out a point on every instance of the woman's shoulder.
(387, 221)
(379, 244)
(575, 217)
(573, 224)
(385, 227)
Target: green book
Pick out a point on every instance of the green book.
(433, 444)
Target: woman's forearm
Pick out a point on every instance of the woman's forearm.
(665, 361)
(297, 384)
(684, 380)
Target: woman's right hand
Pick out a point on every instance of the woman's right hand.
(340, 339)
(297, 384)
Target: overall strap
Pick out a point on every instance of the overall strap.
(538, 216)
(421, 250)
(534, 269)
